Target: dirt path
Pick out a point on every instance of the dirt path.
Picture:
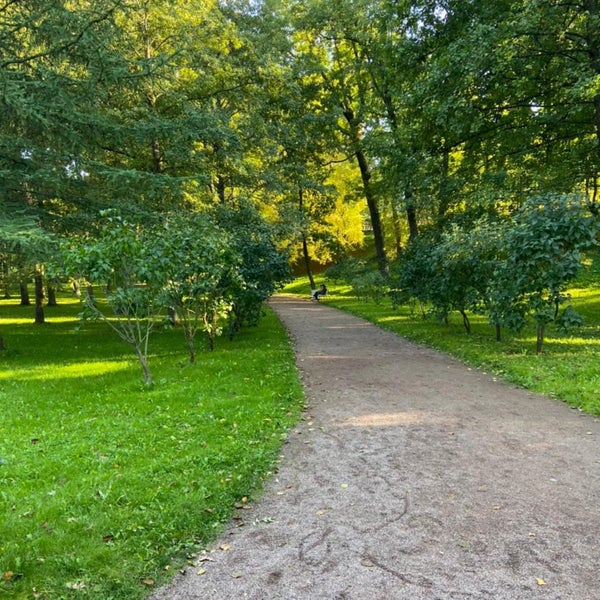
(412, 477)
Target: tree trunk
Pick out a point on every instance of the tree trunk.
(305, 252)
(365, 175)
(498, 333)
(411, 218)
(466, 321)
(306, 256)
(39, 298)
(541, 329)
(51, 296)
(397, 230)
(191, 349)
(24, 291)
(221, 189)
(144, 363)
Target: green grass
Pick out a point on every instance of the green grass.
(107, 485)
(568, 368)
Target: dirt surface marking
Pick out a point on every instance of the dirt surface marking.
(412, 477)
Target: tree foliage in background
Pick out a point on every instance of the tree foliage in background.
(441, 117)
(508, 269)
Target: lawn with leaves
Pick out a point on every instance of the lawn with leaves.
(106, 484)
(568, 368)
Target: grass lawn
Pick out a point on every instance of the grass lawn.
(106, 485)
(568, 368)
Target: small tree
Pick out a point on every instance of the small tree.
(127, 261)
(199, 260)
(263, 268)
(543, 253)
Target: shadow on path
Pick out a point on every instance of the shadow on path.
(412, 477)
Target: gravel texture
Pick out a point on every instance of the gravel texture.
(411, 476)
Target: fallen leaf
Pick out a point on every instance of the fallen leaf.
(8, 575)
(149, 582)
(76, 585)
(540, 581)
(225, 547)
(201, 572)
(236, 575)
(344, 486)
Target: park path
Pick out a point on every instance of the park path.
(411, 477)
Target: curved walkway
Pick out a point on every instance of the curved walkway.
(412, 477)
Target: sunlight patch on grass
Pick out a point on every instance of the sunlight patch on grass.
(75, 370)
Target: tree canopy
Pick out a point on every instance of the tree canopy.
(398, 117)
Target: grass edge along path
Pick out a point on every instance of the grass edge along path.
(568, 369)
(107, 486)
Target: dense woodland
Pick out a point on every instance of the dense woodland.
(205, 139)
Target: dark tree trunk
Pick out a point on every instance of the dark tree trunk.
(411, 217)
(466, 321)
(541, 330)
(365, 175)
(24, 291)
(221, 189)
(397, 230)
(306, 256)
(305, 252)
(39, 298)
(51, 296)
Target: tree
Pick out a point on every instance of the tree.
(127, 262)
(263, 268)
(543, 253)
(199, 259)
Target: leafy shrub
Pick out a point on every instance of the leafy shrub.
(262, 267)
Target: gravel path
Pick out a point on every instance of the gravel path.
(412, 477)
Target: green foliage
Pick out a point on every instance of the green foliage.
(262, 267)
(107, 486)
(200, 268)
(123, 258)
(367, 283)
(543, 254)
(507, 269)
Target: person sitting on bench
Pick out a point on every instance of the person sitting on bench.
(316, 294)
